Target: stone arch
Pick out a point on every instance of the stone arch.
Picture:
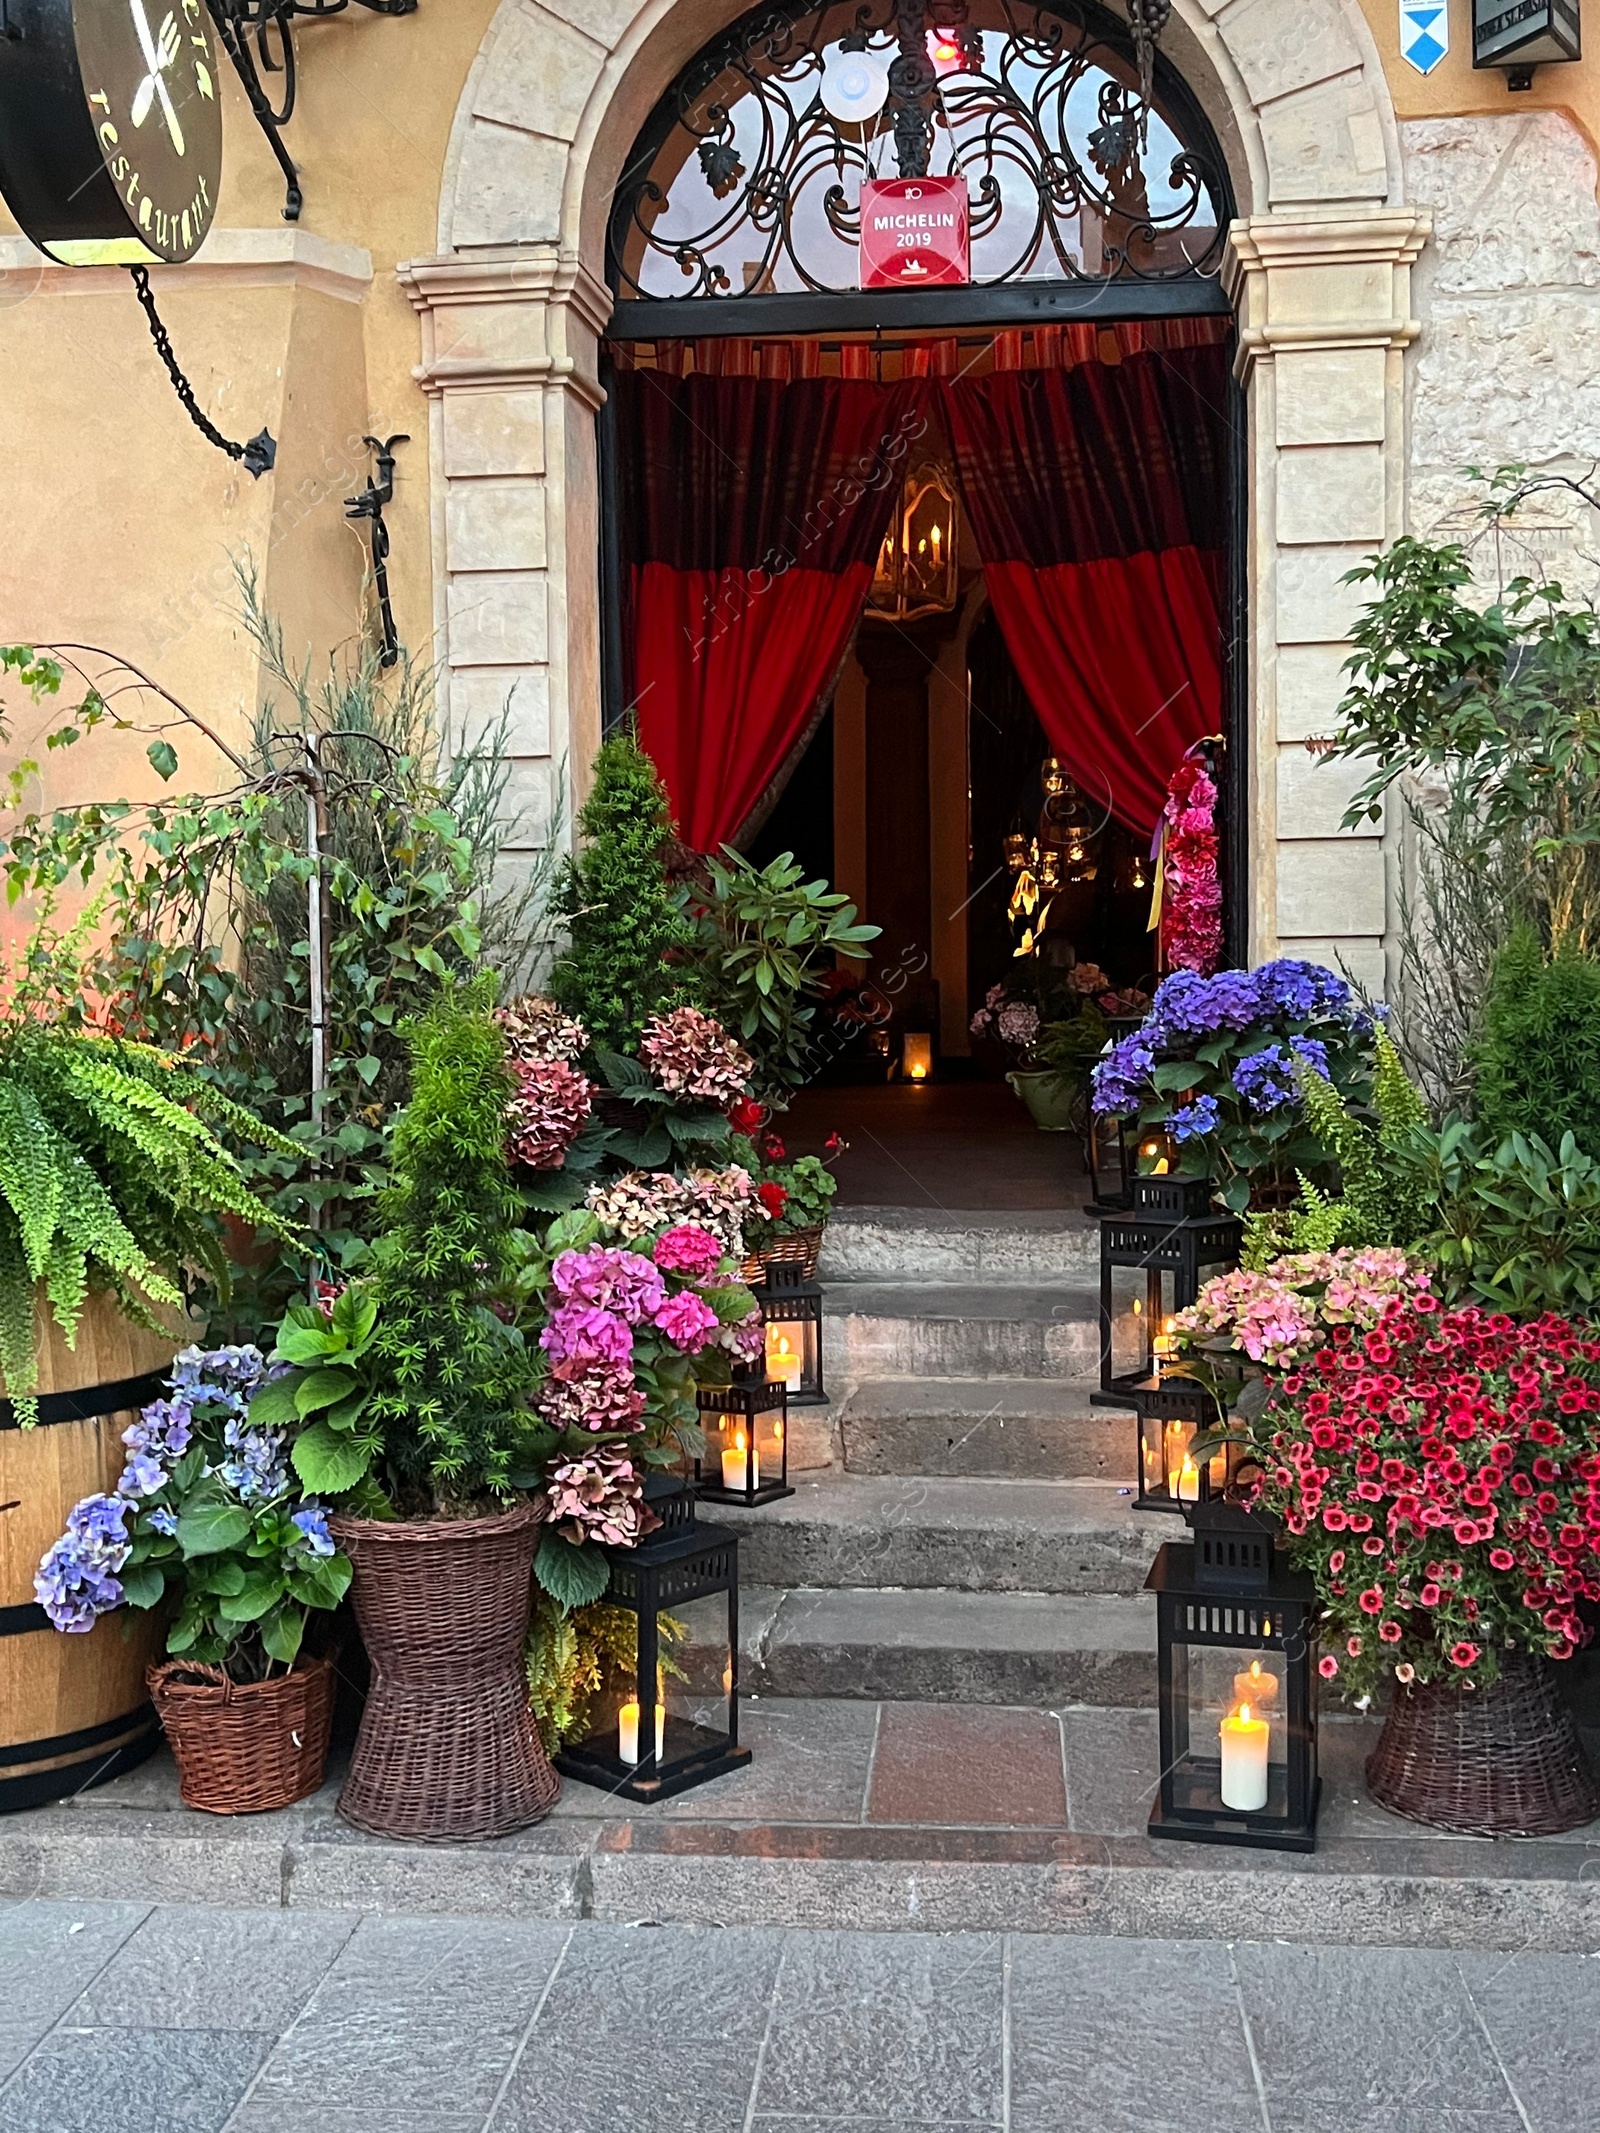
(514, 303)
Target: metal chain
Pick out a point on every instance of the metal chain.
(261, 452)
(1147, 19)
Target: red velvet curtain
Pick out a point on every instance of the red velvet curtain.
(753, 511)
(1098, 497)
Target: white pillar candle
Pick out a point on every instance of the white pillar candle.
(784, 1362)
(628, 1731)
(1255, 1686)
(736, 1473)
(1244, 1761)
(1188, 1481)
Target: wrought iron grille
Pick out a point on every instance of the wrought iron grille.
(746, 183)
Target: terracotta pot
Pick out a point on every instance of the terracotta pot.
(1052, 1100)
(1503, 1761)
(245, 1748)
(448, 1747)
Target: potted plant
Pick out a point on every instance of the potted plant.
(1439, 1477)
(1218, 1066)
(1052, 1044)
(794, 1196)
(112, 1177)
(208, 1525)
(413, 1402)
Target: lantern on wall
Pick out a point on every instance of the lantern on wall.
(791, 1311)
(918, 570)
(1237, 1686)
(674, 1721)
(746, 1428)
(1155, 1257)
(1520, 35)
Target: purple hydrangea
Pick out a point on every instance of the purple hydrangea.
(312, 1520)
(1305, 992)
(582, 1333)
(160, 1520)
(1122, 1076)
(1192, 1122)
(258, 1471)
(77, 1581)
(623, 1282)
(1188, 1005)
(1267, 1079)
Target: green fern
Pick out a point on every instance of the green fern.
(111, 1177)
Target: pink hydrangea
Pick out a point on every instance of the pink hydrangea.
(691, 1054)
(622, 1282)
(688, 1321)
(600, 1498)
(1276, 1315)
(581, 1333)
(549, 1104)
(747, 1341)
(535, 1028)
(690, 1251)
(580, 1395)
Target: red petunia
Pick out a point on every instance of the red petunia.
(1370, 1602)
(1464, 1654)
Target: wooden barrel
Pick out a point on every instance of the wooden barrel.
(73, 1709)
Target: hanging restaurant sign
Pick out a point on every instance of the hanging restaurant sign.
(110, 128)
(915, 233)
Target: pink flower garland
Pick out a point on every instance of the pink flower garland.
(1191, 894)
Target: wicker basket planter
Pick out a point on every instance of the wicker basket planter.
(447, 1747)
(1498, 1762)
(244, 1748)
(802, 1248)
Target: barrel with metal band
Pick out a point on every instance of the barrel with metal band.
(73, 1709)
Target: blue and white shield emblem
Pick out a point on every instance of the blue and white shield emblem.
(1424, 33)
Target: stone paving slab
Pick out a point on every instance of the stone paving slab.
(893, 1816)
(459, 2024)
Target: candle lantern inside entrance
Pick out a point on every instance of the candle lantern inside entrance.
(791, 1311)
(1173, 1413)
(745, 1424)
(1235, 1655)
(1155, 1257)
(674, 1722)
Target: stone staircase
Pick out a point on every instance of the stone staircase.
(962, 1528)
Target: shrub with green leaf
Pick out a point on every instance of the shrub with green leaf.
(1537, 1058)
(628, 932)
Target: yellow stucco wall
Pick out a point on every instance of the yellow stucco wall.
(1456, 89)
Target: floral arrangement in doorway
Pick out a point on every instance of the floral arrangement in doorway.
(1218, 1063)
(1191, 886)
(1439, 1476)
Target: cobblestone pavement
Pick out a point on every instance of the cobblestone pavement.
(121, 2018)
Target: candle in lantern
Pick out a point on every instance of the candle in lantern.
(1256, 1686)
(736, 1474)
(784, 1362)
(628, 1731)
(1244, 1761)
(1179, 1436)
(936, 547)
(1188, 1490)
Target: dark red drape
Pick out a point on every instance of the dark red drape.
(752, 515)
(1098, 497)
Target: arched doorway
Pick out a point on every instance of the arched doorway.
(1051, 436)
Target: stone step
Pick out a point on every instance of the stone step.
(926, 1533)
(947, 1329)
(1037, 1648)
(1022, 1429)
(912, 1243)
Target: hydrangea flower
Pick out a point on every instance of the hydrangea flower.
(593, 1396)
(258, 1471)
(687, 1321)
(77, 1581)
(1192, 1122)
(598, 1497)
(312, 1520)
(622, 1282)
(536, 1028)
(548, 1107)
(691, 1054)
(582, 1333)
(689, 1250)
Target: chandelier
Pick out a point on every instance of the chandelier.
(917, 572)
(1063, 850)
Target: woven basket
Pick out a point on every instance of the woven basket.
(803, 1249)
(244, 1748)
(447, 1747)
(1504, 1761)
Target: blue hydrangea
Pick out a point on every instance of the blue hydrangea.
(259, 1469)
(1304, 992)
(1189, 1005)
(1122, 1077)
(312, 1520)
(160, 1520)
(1266, 1079)
(77, 1581)
(1192, 1122)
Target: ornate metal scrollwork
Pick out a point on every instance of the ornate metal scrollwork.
(258, 36)
(1085, 156)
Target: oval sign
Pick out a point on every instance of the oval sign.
(110, 128)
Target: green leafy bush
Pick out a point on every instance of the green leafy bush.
(766, 940)
(629, 934)
(1537, 1058)
(1520, 1225)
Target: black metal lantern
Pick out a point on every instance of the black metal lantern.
(1520, 35)
(1237, 1685)
(1155, 1257)
(746, 1427)
(1173, 1412)
(675, 1723)
(791, 1311)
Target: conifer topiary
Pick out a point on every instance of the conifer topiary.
(1537, 1058)
(628, 929)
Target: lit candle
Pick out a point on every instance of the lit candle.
(936, 547)
(1180, 1435)
(1256, 1686)
(1244, 1761)
(736, 1474)
(628, 1731)
(783, 1360)
(1188, 1481)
